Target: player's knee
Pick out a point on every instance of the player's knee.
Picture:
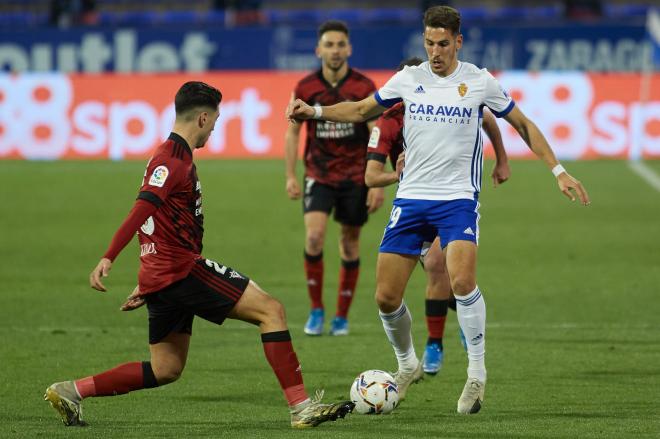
(434, 265)
(267, 310)
(275, 311)
(167, 374)
(387, 301)
(462, 285)
(315, 239)
(350, 250)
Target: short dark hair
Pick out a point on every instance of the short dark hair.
(332, 25)
(196, 94)
(414, 61)
(443, 16)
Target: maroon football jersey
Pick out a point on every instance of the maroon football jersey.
(335, 152)
(387, 136)
(171, 239)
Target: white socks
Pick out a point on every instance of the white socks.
(397, 326)
(471, 312)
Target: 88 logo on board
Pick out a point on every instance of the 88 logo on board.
(34, 115)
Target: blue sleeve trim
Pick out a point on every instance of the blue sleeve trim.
(504, 112)
(387, 103)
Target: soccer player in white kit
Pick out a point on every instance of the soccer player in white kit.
(439, 187)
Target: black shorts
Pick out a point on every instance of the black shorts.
(349, 201)
(210, 291)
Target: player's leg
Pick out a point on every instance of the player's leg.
(349, 248)
(451, 304)
(471, 312)
(457, 223)
(399, 250)
(261, 309)
(438, 291)
(317, 205)
(392, 274)
(168, 357)
(257, 307)
(66, 397)
(169, 338)
(351, 212)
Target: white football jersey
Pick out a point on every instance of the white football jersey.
(442, 128)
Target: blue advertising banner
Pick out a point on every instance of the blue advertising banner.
(597, 48)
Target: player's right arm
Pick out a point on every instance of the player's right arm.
(142, 210)
(381, 142)
(385, 140)
(291, 141)
(359, 111)
(377, 176)
(161, 176)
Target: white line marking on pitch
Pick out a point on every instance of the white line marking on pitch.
(647, 174)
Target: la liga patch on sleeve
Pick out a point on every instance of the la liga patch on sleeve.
(373, 139)
(159, 176)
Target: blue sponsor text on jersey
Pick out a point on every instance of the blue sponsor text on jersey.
(440, 110)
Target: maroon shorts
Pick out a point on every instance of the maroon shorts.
(210, 291)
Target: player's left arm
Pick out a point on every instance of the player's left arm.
(537, 142)
(501, 170)
(375, 195)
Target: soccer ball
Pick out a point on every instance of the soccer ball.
(374, 392)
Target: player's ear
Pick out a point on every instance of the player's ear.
(459, 41)
(318, 51)
(202, 118)
(350, 49)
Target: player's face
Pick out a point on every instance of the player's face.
(333, 49)
(207, 120)
(442, 49)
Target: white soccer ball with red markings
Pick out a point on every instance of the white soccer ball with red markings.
(374, 392)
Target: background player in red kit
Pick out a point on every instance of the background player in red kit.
(335, 160)
(177, 283)
(387, 141)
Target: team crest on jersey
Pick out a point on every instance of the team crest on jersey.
(148, 226)
(462, 89)
(159, 176)
(373, 139)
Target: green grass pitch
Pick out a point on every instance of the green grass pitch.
(573, 340)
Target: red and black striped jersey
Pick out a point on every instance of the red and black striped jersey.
(170, 239)
(335, 152)
(387, 136)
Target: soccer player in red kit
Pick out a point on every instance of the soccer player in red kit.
(335, 160)
(387, 141)
(177, 283)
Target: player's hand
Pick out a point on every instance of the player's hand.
(293, 188)
(133, 301)
(298, 110)
(572, 187)
(375, 198)
(102, 270)
(400, 164)
(501, 173)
